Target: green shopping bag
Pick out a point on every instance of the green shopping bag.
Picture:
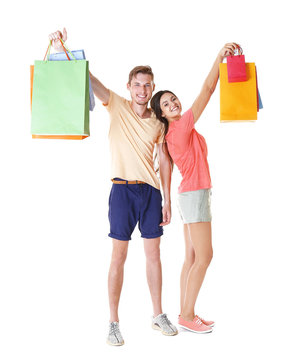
(60, 99)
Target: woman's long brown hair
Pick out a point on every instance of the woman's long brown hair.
(155, 106)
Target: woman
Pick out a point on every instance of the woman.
(188, 151)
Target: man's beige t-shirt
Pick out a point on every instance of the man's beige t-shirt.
(132, 140)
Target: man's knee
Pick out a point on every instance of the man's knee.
(153, 254)
(119, 254)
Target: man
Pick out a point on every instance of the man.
(135, 195)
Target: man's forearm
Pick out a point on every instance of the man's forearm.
(165, 177)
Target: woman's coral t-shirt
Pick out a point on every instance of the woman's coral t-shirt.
(189, 152)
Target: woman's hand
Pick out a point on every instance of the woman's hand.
(55, 38)
(228, 49)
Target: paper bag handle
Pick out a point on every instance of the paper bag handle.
(46, 56)
(239, 51)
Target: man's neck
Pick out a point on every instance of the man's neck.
(141, 110)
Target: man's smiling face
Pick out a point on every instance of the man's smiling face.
(141, 88)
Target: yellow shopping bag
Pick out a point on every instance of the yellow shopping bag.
(238, 100)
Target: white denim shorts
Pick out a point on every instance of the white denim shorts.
(194, 206)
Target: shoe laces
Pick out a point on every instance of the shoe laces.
(164, 320)
(114, 328)
(198, 321)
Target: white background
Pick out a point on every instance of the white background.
(55, 253)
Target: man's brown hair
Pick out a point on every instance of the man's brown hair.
(140, 69)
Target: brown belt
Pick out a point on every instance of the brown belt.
(127, 182)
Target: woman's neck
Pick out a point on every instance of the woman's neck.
(175, 118)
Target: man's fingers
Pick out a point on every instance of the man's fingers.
(164, 223)
(64, 34)
(166, 219)
(57, 35)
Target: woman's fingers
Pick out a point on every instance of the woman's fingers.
(233, 46)
(229, 48)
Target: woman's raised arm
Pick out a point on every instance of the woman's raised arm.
(210, 82)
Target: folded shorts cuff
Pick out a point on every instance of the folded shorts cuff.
(152, 236)
(119, 237)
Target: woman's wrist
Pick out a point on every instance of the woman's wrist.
(220, 58)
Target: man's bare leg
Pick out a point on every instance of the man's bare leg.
(116, 274)
(154, 272)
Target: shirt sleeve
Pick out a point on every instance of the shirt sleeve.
(160, 139)
(114, 101)
(187, 121)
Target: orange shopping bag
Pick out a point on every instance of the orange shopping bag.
(238, 100)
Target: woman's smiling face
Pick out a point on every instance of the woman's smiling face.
(170, 106)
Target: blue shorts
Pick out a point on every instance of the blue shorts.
(132, 203)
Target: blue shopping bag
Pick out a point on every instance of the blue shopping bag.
(79, 55)
(260, 100)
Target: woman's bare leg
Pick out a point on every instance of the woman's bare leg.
(200, 236)
(188, 262)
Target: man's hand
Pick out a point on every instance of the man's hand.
(166, 214)
(55, 38)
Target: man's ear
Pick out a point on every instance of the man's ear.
(128, 86)
(153, 87)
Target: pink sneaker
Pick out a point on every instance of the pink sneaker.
(207, 323)
(196, 325)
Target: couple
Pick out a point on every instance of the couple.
(135, 195)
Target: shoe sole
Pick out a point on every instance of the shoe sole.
(119, 344)
(155, 327)
(210, 325)
(196, 332)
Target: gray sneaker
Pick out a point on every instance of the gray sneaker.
(162, 323)
(115, 337)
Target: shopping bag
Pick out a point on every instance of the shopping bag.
(238, 100)
(79, 55)
(31, 84)
(259, 101)
(236, 67)
(60, 99)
